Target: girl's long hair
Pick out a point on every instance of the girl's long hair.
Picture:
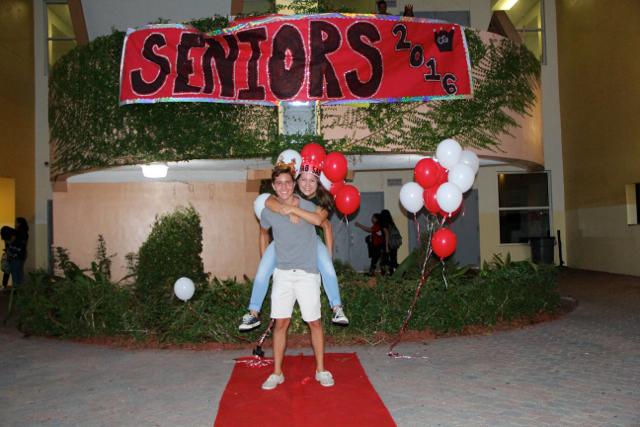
(386, 219)
(325, 199)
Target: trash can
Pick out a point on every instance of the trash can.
(542, 249)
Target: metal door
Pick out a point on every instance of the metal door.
(349, 245)
(467, 229)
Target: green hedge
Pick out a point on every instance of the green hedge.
(82, 306)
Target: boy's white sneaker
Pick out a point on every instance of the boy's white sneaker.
(325, 378)
(273, 381)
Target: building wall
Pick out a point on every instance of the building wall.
(16, 106)
(489, 218)
(600, 102)
(7, 202)
(40, 229)
(480, 10)
(103, 16)
(124, 213)
(552, 131)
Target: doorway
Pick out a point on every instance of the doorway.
(348, 240)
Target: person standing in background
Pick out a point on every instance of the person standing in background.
(12, 249)
(382, 7)
(392, 241)
(408, 10)
(375, 242)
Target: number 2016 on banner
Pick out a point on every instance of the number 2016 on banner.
(443, 40)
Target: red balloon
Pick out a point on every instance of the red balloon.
(335, 167)
(348, 199)
(444, 242)
(313, 153)
(443, 177)
(427, 173)
(430, 200)
(336, 187)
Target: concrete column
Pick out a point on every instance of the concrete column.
(551, 129)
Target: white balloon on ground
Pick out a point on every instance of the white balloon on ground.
(326, 183)
(291, 157)
(462, 176)
(448, 153)
(470, 159)
(411, 197)
(258, 204)
(184, 288)
(449, 197)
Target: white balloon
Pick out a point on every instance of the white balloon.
(470, 159)
(258, 204)
(462, 176)
(449, 197)
(184, 288)
(326, 183)
(411, 197)
(448, 153)
(291, 156)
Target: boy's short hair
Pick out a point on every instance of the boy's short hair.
(280, 169)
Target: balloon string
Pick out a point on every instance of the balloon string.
(254, 361)
(266, 332)
(397, 355)
(444, 276)
(424, 275)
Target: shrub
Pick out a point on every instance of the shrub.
(171, 251)
(74, 306)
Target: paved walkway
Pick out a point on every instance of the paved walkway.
(582, 370)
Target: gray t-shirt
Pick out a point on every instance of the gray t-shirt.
(295, 243)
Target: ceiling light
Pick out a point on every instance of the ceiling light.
(154, 170)
(299, 103)
(504, 4)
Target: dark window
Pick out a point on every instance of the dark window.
(523, 206)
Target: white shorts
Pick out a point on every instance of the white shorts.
(292, 285)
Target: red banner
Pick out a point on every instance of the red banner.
(326, 58)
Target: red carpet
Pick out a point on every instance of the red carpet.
(301, 400)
